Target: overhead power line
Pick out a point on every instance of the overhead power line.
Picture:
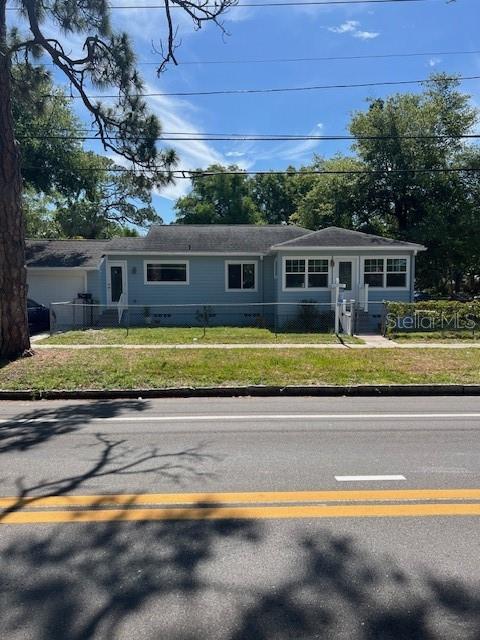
(301, 3)
(356, 85)
(187, 174)
(241, 137)
(416, 54)
(274, 4)
(319, 58)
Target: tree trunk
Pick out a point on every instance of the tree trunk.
(14, 338)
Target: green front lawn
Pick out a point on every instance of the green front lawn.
(187, 335)
(132, 369)
(435, 336)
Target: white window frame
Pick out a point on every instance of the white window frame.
(168, 283)
(305, 288)
(241, 262)
(384, 285)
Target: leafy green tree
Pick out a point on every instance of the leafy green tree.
(223, 198)
(432, 206)
(124, 127)
(450, 229)
(334, 197)
(106, 200)
(386, 143)
(276, 195)
(39, 215)
(48, 131)
(79, 193)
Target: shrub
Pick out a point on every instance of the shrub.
(432, 315)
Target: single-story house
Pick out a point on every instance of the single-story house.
(223, 265)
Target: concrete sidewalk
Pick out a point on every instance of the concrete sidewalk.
(371, 342)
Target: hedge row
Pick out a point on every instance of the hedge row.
(447, 307)
(432, 315)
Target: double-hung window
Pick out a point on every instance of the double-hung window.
(396, 272)
(166, 272)
(385, 273)
(241, 276)
(306, 273)
(373, 272)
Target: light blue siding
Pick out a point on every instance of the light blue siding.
(96, 285)
(207, 286)
(206, 281)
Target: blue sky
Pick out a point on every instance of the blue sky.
(292, 32)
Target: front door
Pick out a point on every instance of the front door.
(116, 281)
(345, 272)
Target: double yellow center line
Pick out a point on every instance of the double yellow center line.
(251, 505)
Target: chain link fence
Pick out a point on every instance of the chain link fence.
(302, 317)
(443, 319)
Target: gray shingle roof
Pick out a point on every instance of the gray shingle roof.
(201, 238)
(64, 253)
(337, 237)
(209, 238)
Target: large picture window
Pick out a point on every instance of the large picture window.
(166, 272)
(306, 273)
(385, 273)
(241, 276)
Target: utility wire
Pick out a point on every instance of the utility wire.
(239, 137)
(319, 58)
(418, 54)
(356, 85)
(189, 173)
(301, 3)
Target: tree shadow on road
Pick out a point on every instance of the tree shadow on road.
(84, 581)
(345, 592)
(173, 581)
(32, 428)
(203, 579)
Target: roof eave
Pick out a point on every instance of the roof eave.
(396, 247)
(148, 252)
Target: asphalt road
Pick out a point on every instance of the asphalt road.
(384, 546)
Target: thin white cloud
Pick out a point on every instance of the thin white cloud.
(192, 154)
(434, 61)
(238, 14)
(366, 35)
(292, 152)
(351, 27)
(234, 154)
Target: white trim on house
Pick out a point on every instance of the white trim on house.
(124, 265)
(146, 252)
(329, 250)
(356, 284)
(306, 258)
(405, 257)
(241, 262)
(168, 283)
(41, 269)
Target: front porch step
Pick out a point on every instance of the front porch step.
(365, 324)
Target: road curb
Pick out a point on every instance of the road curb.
(254, 390)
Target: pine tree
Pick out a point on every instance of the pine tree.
(124, 127)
